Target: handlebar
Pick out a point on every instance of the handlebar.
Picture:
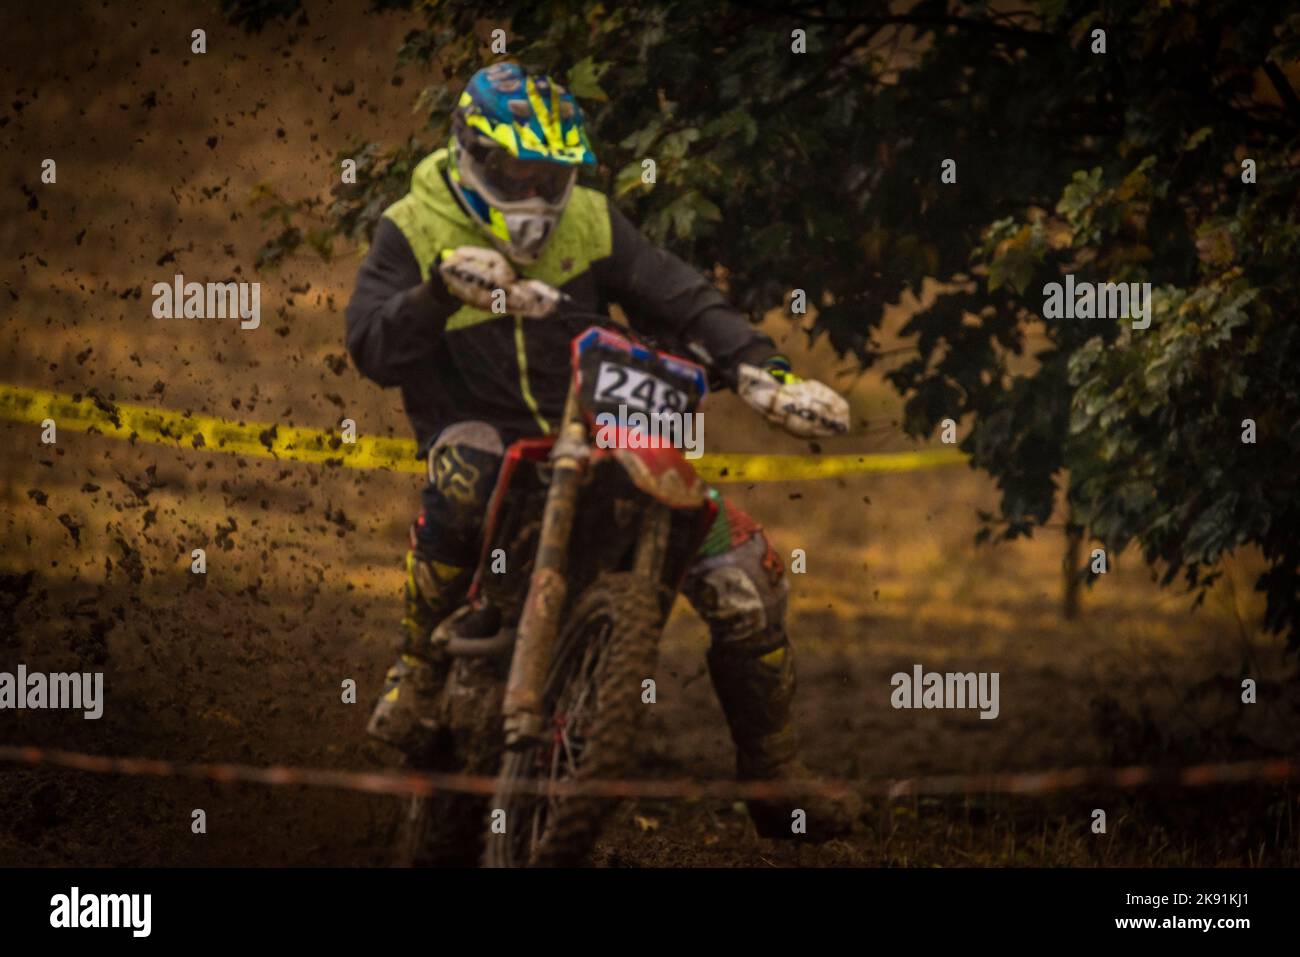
(670, 344)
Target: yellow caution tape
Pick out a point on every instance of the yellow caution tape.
(788, 468)
(91, 412)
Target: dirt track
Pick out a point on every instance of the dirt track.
(158, 151)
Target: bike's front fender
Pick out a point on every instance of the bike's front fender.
(660, 471)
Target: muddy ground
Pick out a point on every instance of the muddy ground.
(158, 152)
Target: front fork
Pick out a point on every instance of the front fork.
(539, 623)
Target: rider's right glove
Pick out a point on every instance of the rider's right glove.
(804, 408)
(532, 298)
(474, 275)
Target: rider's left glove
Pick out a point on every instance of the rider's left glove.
(804, 408)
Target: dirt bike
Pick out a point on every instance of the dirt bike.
(585, 546)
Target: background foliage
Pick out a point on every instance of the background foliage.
(820, 171)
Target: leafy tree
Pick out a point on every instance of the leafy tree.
(820, 170)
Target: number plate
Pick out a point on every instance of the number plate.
(613, 372)
(620, 384)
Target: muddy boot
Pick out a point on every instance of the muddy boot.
(404, 715)
(756, 689)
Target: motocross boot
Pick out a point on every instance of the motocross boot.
(404, 715)
(756, 690)
(738, 586)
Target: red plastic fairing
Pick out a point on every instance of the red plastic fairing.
(659, 469)
(524, 450)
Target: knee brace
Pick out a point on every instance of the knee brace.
(463, 465)
(741, 591)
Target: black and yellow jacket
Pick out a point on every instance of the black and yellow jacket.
(454, 362)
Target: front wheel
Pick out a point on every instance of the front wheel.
(605, 650)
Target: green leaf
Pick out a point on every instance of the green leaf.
(629, 179)
(584, 80)
(1197, 138)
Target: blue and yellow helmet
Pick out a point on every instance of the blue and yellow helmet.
(517, 141)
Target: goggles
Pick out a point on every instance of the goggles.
(508, 179)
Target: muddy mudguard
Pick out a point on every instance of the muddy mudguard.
(660, 471)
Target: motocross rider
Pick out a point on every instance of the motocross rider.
(495, 208)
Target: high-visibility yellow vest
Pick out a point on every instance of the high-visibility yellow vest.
(431, 220)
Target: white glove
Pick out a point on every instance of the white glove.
(806, 409)
(532, 298)
(473, 274)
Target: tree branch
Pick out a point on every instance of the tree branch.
(1283, 87)
(920, 20)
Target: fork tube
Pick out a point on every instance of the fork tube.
(547, 588)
